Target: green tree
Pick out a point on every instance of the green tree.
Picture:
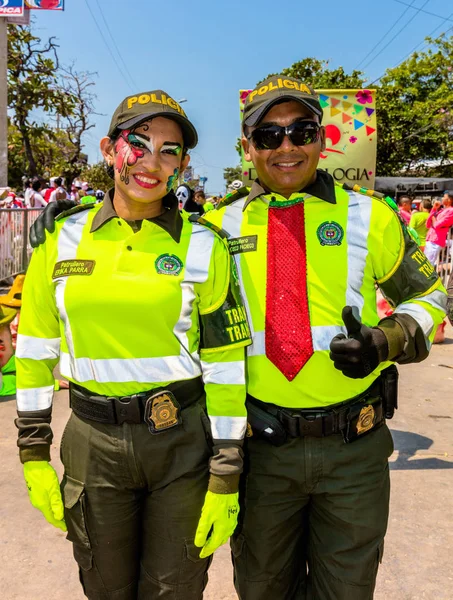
(415, 111)
(33, 85)
(97, 177)
(232, 173)
(317, 74)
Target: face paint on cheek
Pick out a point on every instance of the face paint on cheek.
(172, 179)
(126, 156)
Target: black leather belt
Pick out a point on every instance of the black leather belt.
(351, 418)
(129, 409)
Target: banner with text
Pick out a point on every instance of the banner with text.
(11, 8)
(351, 137)
(45, 4)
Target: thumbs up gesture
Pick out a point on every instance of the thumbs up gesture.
(357, 355)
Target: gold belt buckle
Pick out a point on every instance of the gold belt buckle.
(162, 412)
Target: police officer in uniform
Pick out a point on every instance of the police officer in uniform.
(321, 379)
(136, 303)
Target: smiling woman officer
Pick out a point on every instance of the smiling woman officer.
(137, 304)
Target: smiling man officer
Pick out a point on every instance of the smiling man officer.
(320, 375)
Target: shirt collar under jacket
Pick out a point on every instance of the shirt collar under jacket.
(170, 220)
(323, 187)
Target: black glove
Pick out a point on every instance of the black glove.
(357, 355)
(46, 220)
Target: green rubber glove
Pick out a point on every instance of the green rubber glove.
(219, 513)
(44, 491)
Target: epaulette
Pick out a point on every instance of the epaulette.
(194, 218)
(371, 194)
(74, 210)
(233, 196)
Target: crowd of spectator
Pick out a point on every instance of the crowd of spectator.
(38, 192)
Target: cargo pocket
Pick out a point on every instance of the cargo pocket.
(73, 493)
(194, 570)
(237, 545)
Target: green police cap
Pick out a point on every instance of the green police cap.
(275, 90)
(147, 105)
(7, 315)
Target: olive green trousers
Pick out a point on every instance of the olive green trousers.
(313, 518)
(132, 504)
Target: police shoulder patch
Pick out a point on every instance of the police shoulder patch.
(74, 210)
(233, 196)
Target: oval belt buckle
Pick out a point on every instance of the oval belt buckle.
(162, 412)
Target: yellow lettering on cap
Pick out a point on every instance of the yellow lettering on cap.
(144, 99)
(304, 88)
(252, 95)
(263, 90)
(131, 101)
(154, 99)
(272, 86)
(280, 83)
(288, 84)
(164, 99)
(172, 104)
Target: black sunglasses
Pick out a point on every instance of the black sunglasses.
(270, 137)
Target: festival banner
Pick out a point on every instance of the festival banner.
(11, 8)
(351, 137)
(45, 4)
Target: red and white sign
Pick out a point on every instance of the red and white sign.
(45, 4)
(11, 8)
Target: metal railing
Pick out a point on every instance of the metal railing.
(15, 249)
(444, 260)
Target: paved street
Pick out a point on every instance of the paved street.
(36, 561)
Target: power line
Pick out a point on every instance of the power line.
(445, 19)
(386, 34)
(425, 11)
(397, 34)
(134, 85)
(107, 45)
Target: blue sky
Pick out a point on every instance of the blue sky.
(206, 51)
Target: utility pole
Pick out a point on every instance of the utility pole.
(3, 102)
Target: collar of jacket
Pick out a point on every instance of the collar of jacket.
(170, 220)
(323, 187)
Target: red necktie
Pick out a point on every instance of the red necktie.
(289, 343)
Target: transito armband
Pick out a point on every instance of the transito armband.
(412, 276)
(226, 326)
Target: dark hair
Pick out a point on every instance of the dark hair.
(449, 193)
(36, 185)
(427, 204)
(200, 193)
(403, 199)
(58, 181)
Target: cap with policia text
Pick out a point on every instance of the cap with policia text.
(147, 105)
(274, 90)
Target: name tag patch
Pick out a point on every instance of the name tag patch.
(243, 244)
(64, 268)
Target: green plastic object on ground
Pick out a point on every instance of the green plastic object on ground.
(220, 512)
(44, 491)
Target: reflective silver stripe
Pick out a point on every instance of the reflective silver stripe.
(359, 217)
(68, 242)
(436, 299)
(322, 335)
(420, 314)
(37, 348)
(228, 428)
(197, 263)
(231, 223)
(199, 254)
(34, 398)
(223, 372)
(119, 370)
